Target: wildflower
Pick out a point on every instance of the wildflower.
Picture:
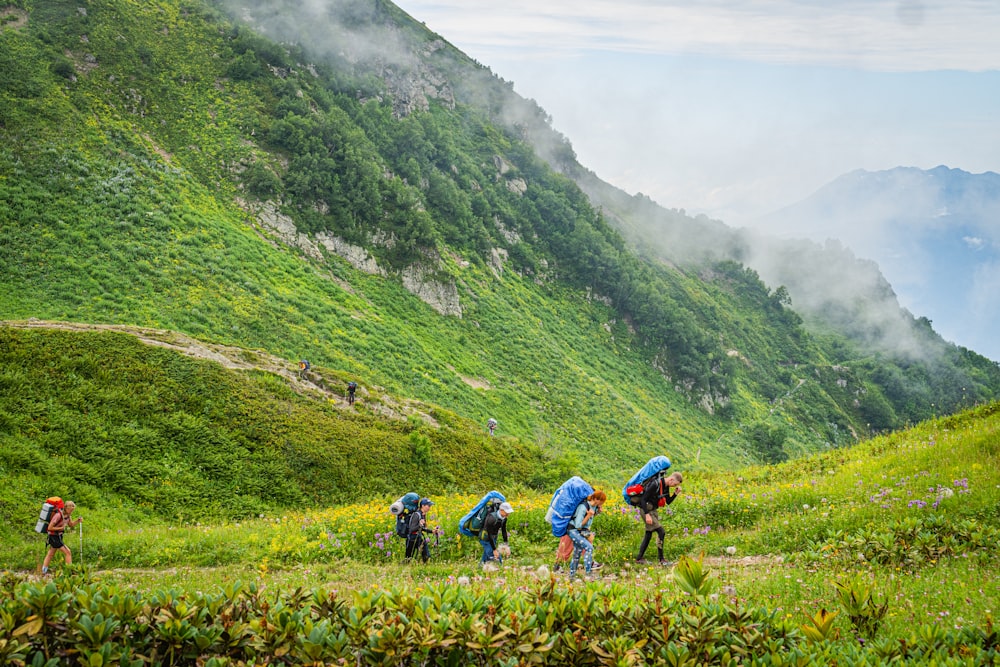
(731, 550)
(805, 506)
(463, 580)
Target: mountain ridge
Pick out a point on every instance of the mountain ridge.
(931, 232)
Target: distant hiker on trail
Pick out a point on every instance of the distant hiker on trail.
(579, 531)
(655, 496)
(418, 526)
(495, 524)
(491, 425)
(351, 388)
(58, 524)
(304, 367)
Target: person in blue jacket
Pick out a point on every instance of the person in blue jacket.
(579, 531)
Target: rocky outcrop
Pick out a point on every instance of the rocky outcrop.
(355, 255)
(279, 226)
(441, 296)
(270, 220)
(418, 279)
(517, 186)
(497, 258)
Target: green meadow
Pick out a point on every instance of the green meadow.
(885, 551)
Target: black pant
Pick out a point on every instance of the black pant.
(660, 532)
(415, 541)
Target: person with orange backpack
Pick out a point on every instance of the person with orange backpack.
(58, 523)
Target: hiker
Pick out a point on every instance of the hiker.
(495, 524)
(418, 526)
(58, 524)
(351, 388)
(491, 424)
(649, 508)
(303, 368)
(579, 531)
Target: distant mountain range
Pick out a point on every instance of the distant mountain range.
(935, 235)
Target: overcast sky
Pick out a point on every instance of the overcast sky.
(736, 108)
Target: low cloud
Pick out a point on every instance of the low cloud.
(883, 35)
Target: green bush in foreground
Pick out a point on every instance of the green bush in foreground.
(73, 619)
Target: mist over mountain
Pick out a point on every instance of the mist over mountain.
(935, 235)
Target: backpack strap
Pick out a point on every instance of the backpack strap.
(62, 521)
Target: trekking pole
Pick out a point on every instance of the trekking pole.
(81, 542)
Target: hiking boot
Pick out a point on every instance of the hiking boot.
(596, 566)
(665, 563)
(557, 568)
(642, 561)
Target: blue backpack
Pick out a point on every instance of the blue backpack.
(564, 502)
(403, 508)
(472, 523)
(633, 488)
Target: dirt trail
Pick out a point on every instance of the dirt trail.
(237, 358)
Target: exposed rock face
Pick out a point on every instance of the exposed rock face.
(497, 258)
(417, 279)
(355, 255)
(412, 85)
(442, 297)
(279, 224)
(509, 235)
(517, 186)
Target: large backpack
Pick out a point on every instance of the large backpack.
(49, 508)
(564, 503)
(651, 473)
(472, 523)
(403, 508)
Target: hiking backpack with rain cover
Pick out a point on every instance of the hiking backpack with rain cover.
(564, 503)
(402, 509)
(472, 523)
(654, 472)
(49, 508)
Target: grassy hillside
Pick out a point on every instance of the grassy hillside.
(119, 423)
(163, 166)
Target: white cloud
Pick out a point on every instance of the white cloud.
(884, 35)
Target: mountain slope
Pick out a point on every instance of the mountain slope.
(932, 232)
(165, 166)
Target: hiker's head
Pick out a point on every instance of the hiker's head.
(505, 509)
(675, 479)
(424, 503)
(597, 498)
(69, 506)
